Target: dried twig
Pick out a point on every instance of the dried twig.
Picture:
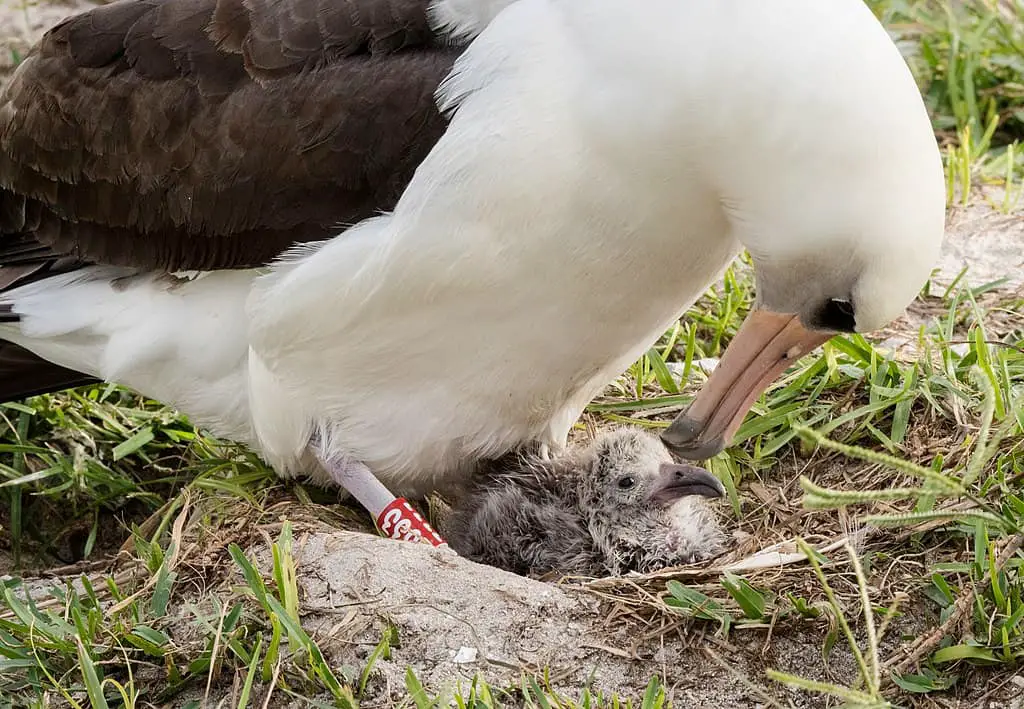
(909, 656)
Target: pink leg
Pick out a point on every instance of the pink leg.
(394, 516)
(360, 482)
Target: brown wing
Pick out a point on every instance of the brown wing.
(199, 134)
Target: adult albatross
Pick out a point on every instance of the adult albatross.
(470, 273)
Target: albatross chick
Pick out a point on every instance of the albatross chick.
(620, 504)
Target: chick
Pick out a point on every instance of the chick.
(617, 505)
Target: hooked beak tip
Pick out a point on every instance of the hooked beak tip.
(683, 480)
(682, 437)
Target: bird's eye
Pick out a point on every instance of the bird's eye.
(837, 315)
(626, 482)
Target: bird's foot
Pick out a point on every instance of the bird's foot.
(395, 517)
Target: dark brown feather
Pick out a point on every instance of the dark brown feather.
(202, 134)
(199, 134)
(22, 374)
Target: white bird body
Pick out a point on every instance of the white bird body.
(601, 169)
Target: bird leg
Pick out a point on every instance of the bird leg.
(394, 516)
(361, 483)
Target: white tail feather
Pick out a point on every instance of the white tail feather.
(182, 341)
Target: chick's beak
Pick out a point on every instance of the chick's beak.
(676, 481)
(766, 344)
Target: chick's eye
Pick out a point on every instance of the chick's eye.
(626, 482)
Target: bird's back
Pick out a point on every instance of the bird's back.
(175, 135)
(519, 515)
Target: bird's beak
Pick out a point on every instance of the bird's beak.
(766, 344)
(678, 480)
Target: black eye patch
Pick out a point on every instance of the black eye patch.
(837, 315)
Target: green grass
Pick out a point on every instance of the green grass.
(969, 60)
(927, 448)
(941, 437)
(92, 646)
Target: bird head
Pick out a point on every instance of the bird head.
(824, 160)
(643, 510)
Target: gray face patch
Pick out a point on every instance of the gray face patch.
(807, 286)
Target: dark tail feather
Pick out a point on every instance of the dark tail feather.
(23, 259)
(22, 374)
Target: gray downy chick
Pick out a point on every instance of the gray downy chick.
(617, 505)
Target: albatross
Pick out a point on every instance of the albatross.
(396, 237)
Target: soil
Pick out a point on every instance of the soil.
(986, 241)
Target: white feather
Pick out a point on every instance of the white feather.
(479, 314)
(464, 19)
(179, 341)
